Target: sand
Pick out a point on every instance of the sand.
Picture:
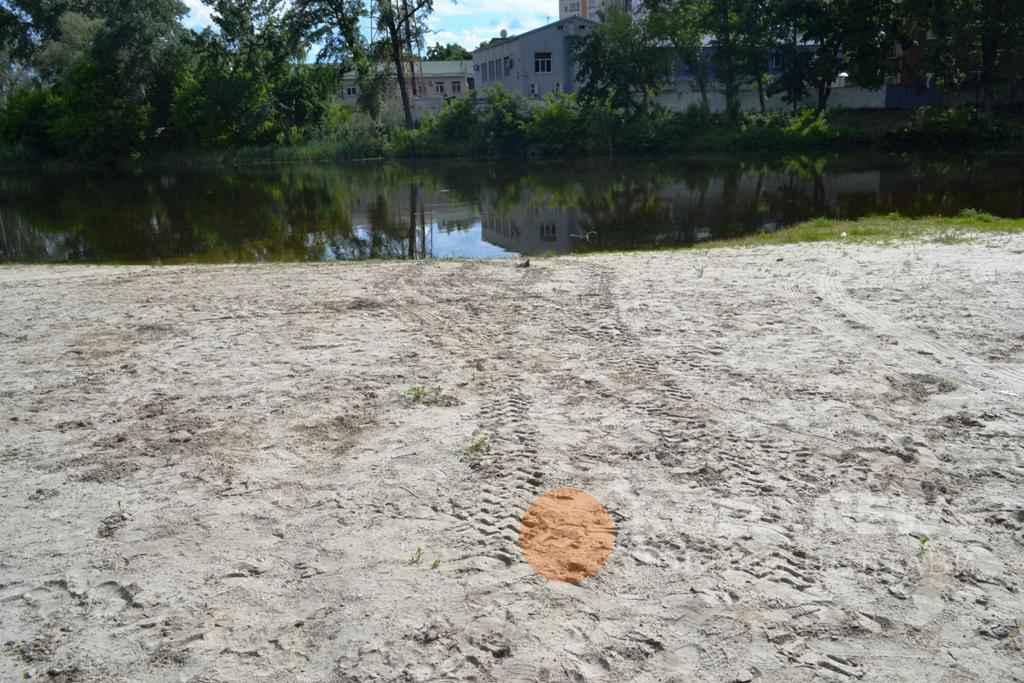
(813, 457)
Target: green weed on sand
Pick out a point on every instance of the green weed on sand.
(880, 229)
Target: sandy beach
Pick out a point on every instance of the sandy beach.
(812, 455)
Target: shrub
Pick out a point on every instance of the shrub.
(503, 121)
(775, 131)
(454, 130)
(556, 125)
(958, 126)
(28, 118)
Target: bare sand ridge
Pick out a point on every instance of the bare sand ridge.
(813, 458)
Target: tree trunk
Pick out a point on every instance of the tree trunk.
(988, 70)
(702, 86)
(412, 220)
(760, 93)
(732, 98)
(824, 91)
(395, 36)
(758, 190)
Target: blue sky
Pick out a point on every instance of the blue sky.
(467, 22)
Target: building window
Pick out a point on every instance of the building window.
(542, 62)
(548, 232)
(439, 88)
(456, 87)
(533, 90)
(351, 91)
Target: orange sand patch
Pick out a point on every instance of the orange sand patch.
(567, 535)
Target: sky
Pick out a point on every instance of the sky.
(466, 22)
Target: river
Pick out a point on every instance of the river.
(479, 210)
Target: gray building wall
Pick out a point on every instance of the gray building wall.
(511, 62)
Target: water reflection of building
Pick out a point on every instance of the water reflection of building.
(531, 229)
(403, 220)
(645, 213)
(437, 206)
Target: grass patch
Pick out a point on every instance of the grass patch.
(880, 229)
(477, 448)
(429, 396)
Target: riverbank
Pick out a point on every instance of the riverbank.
(560, 129)
(813, 456)
(969, 225)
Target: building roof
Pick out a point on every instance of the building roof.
(444, 68)
(425, 69)
(495, 42)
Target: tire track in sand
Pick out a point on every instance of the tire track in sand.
(691, 445)
(966, 369)
(504, 462)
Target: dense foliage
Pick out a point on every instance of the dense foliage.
(499, 124)
(105, 79)
(99, 79)
(801, 48)
(451, 51)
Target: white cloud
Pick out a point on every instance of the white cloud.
(468, 38)
(199, 15)
(453, 8)
(470, 32)
(470, 22)
(539, 8)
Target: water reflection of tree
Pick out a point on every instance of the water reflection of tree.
(623, 214)
(310, 212)
(277, 214)
(22, 241)
(673, 207)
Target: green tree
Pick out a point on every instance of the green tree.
(403, 25)
(101, 72)
(724, 24)
(400, 26)
(449, 52)
(249, 83)
(793, 82)
(681, 25)
(968, 43)
(756, 44)
(622, 65)
(26, 25)
(72, 42)
(824, 38)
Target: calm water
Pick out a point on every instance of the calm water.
(475, 210)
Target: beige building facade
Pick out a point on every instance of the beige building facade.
(430, 85)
